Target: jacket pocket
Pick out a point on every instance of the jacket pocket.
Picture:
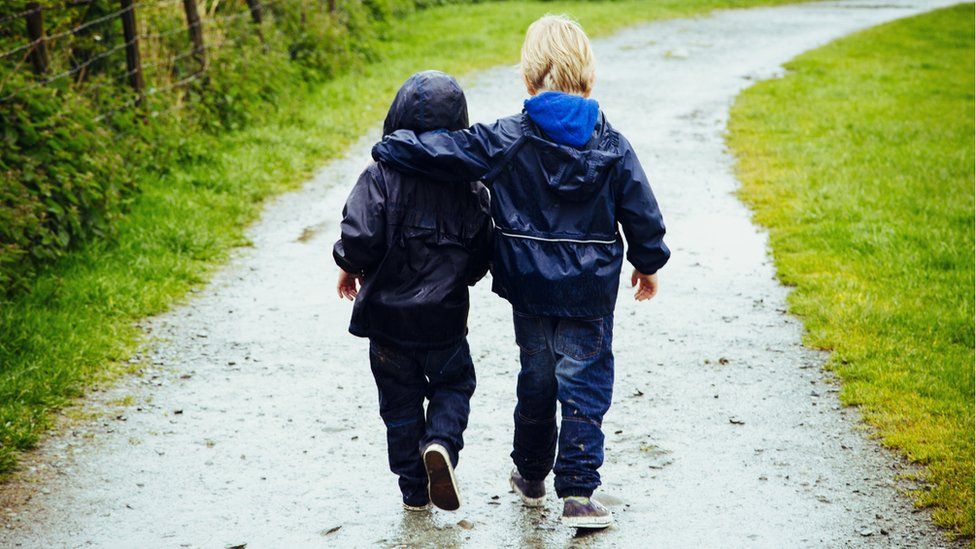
(579, 339)
(529, 335)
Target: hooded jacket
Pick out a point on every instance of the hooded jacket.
(562, 181)
(417, 244)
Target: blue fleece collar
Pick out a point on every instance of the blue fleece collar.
(566, 119)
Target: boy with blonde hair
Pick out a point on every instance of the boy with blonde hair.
(562, 182)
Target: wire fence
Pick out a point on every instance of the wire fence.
(134, 51)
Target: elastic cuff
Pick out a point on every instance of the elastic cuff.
(575, 492)
(530, 477)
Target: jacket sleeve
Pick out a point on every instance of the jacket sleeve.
(638, 214)
(362, 242)
(476, 153)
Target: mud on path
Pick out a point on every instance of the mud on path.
(258, 423)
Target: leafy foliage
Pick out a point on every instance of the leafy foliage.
(67, 174)
(62, 181)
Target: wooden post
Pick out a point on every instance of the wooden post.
(256, 16)
(196, 32)
(133, 62)
(255, 7)
(35, 32)
(332, 6)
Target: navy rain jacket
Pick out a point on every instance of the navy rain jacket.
(417, 244)
(562, 181)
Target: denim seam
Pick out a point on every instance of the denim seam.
(528, 351)
(445, 363)
(538, 321)
(584, 420)
(402, 422)
(599, 345)
(536, 421)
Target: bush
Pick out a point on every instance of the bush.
(63, 181)
(70, 148)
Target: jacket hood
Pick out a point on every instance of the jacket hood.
(428, 100)
(571, 172)
(566, 119)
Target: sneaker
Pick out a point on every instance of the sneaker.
(580, 512)
(416, 508)
(532, 492)
(441, 484)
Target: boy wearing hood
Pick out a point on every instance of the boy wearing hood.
(562, 181)
(414, 247)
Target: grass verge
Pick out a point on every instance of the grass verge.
(860, 162)
(78, 317)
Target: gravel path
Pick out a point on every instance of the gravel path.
(258, 422)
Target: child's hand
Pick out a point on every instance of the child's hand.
(347, 285)
(648, 285)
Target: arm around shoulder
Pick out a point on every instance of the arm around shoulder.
(464, 155)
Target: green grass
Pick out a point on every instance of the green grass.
(860, 163)
(76, 323)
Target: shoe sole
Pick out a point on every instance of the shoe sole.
(441, 484)
(526, 500)
(588, 522)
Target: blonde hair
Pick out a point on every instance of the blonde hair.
(556, 56)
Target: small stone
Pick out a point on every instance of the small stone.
(465, 524)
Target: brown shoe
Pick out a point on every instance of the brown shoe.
(532, 492)
(441, 484)
(580, 512)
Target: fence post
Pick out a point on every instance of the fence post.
(256, 16)
(133, 62)
(35, 32)
(196, 32)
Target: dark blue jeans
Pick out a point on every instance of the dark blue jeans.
(567, 360)
(404, 378)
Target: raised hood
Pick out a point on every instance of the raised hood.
(428, 100)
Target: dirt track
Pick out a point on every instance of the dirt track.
(259, 424)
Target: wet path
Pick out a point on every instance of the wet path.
(259, 425)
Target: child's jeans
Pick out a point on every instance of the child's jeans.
(569, 360)
(404, 377)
